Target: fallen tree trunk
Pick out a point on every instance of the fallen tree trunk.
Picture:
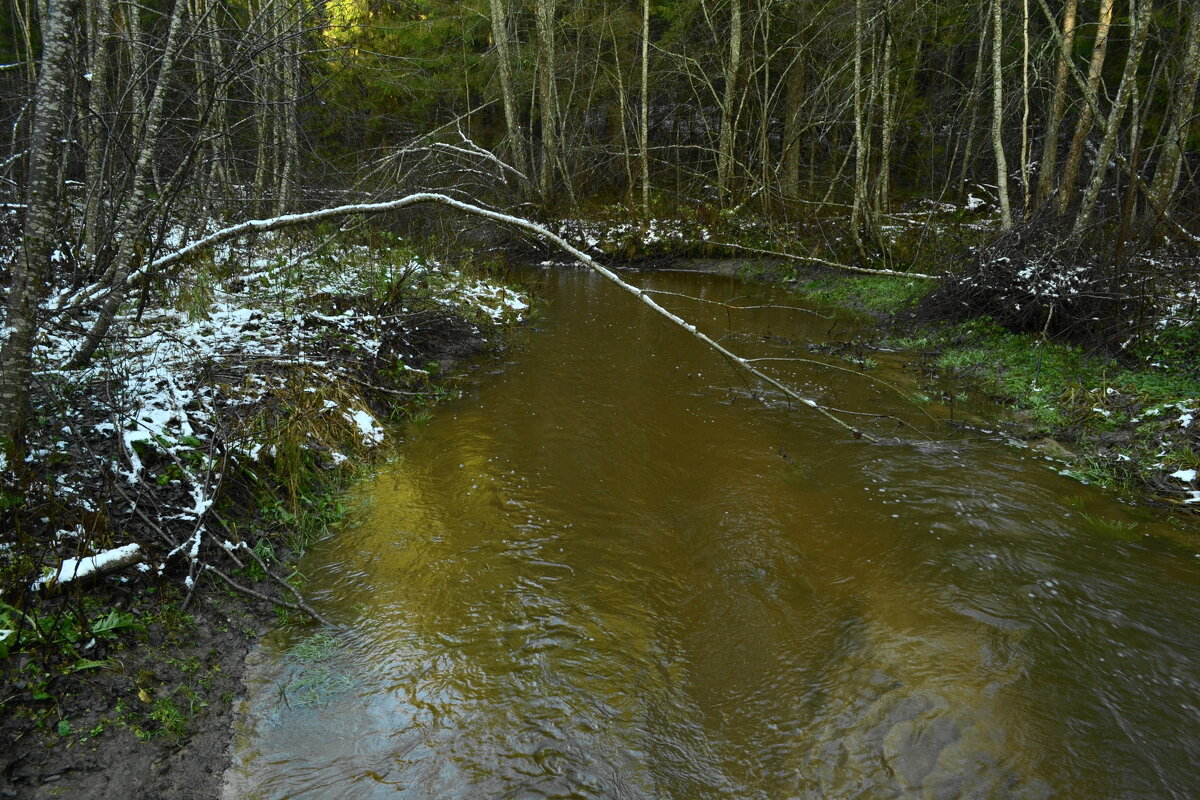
(423, 198)
(97, 566)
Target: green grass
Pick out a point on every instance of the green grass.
(317, 647)
(1120, 416)
(876, 294)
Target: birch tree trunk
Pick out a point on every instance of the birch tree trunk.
(1026, 189)
(264, 93)
(288, 122)
(136, 48)
(501, 36)
(1141, 29)
(998, 115)
(1183, 115)
(1070, 175)
(547, 97)
(31, 268)
(1048, 170)
(134, 220)
(644, 117)
(860, 160)
(887, 128)
(99, 25)
(726, 134)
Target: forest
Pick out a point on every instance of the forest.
(135, 129)
(243, 237)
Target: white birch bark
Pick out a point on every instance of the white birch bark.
(887, 130)
(726, 133)
(998, 115)
(501, 37)
(31, 269)
(1026, 189)
(1183, 115)
(860, 160)
(644, 117)
(1133, 57)
(1070, 174)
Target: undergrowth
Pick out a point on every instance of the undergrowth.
(306, 359)
(1125, 417)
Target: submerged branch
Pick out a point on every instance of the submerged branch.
(246, 590)
(733, 307)
(909, 398)
(822, 262)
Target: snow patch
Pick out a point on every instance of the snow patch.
(76, 568)
(372, 434)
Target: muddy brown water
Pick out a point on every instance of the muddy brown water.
(614, 570)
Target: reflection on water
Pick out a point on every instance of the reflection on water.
(613, 571)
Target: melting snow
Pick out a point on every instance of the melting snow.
(372, 434)
(76, 568)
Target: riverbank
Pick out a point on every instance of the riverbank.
(1124, 421)
(191, 464)
(1117, 411)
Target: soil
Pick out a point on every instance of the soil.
(205, 653)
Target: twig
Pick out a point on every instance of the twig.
(731, 306)
(295, 592)
(824, 263)
(246, 590)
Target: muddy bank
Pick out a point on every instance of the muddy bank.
(213, 441)
(157, 725)
(153, 718)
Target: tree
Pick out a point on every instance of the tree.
(33, 265)
(998, 114)
(1182, 117)
(1070, 173)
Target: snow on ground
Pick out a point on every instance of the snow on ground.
(600, 236)
(169, 399)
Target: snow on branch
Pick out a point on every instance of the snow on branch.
(424, 198)
(74, 569)
(475, 150)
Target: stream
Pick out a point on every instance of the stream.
(615, 569)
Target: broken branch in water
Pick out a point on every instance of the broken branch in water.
(822, 262)
(731, 306)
